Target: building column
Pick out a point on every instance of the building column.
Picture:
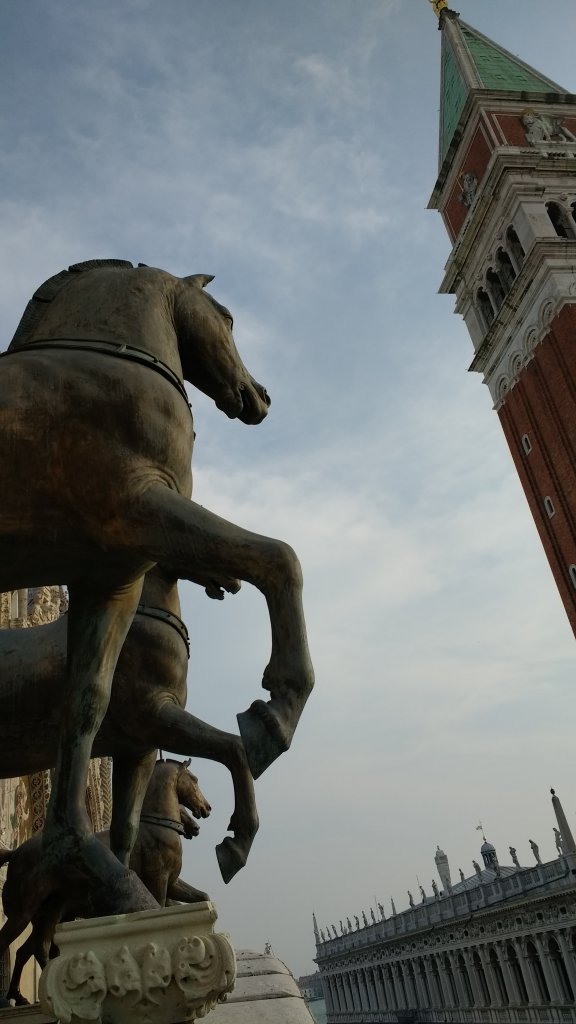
(342, 991)
(380, 984)
(556, 995)
(363, 989)
(333, 994)
(372, 990)
(444, 983)
(568, 955)
(356, 996)
(530, 978)
(524, 969)
(348, 996)
(420, 987)
(398, 978)
(491, 981)
(514, 995)
(458, 981)
(411, 991)
(477, 990)
(433, 982)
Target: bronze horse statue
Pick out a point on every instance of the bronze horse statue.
(156, 859)
(146, 711)
(96, 440)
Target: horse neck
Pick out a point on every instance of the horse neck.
(160, 591)
(161, 797)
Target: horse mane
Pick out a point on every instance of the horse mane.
(35, 309)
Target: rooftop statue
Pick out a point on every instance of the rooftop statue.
(96, 440)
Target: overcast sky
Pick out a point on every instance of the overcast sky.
(290, 149)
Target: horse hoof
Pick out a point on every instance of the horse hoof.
(230, 858)
(263, 736)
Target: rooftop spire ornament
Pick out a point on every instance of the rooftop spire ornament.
(438, 6)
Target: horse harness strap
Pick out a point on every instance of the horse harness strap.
(169, 618)
(152, 819)
(107, 348)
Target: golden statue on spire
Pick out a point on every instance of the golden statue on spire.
(438, 5)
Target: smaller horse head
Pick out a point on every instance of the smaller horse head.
(189, 793)
(210, 359)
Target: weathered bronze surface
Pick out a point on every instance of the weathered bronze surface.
(156, 858)
(146, 712)
(95, 462)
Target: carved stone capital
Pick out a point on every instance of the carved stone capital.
(156, 967)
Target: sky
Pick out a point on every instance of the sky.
(290, 150)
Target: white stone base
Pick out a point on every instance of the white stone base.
(156, 967)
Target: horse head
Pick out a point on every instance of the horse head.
(189, 793)
(210, 359)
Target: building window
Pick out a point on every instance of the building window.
(515, 247)
(549, 506)
(505, 269)
(485, 306)
(494, 286)
(526, 444)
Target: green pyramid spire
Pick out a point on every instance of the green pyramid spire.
(472, 61)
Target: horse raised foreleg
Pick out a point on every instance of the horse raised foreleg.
(97, 625)
(188, 539)
(181, 733)
(130, 780)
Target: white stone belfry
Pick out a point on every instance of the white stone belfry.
(443, 869)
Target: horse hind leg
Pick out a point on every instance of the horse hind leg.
(189, 539)
(98, 623)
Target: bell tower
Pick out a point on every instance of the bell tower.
(506, 191)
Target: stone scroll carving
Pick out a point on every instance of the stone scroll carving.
(106, 972)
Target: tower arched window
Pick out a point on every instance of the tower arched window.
(495, 287)
(515, 248)
(505, 269)
(485, 306)
(560, 221)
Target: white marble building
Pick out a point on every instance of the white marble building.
(497, 946)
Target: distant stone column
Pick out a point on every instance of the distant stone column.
(491, 982)
(477, 990)
(509, 977)
(568, 955)
(556, 996)
(525, 969)
(423, 1000)
(380, 988)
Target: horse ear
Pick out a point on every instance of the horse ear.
(186, 764)
(200, 279)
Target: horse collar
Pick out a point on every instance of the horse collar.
(169, 618)
(108, 348)
(152, 819)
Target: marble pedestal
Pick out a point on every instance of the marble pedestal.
(163, 966)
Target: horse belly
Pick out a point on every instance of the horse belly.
(151, 669)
